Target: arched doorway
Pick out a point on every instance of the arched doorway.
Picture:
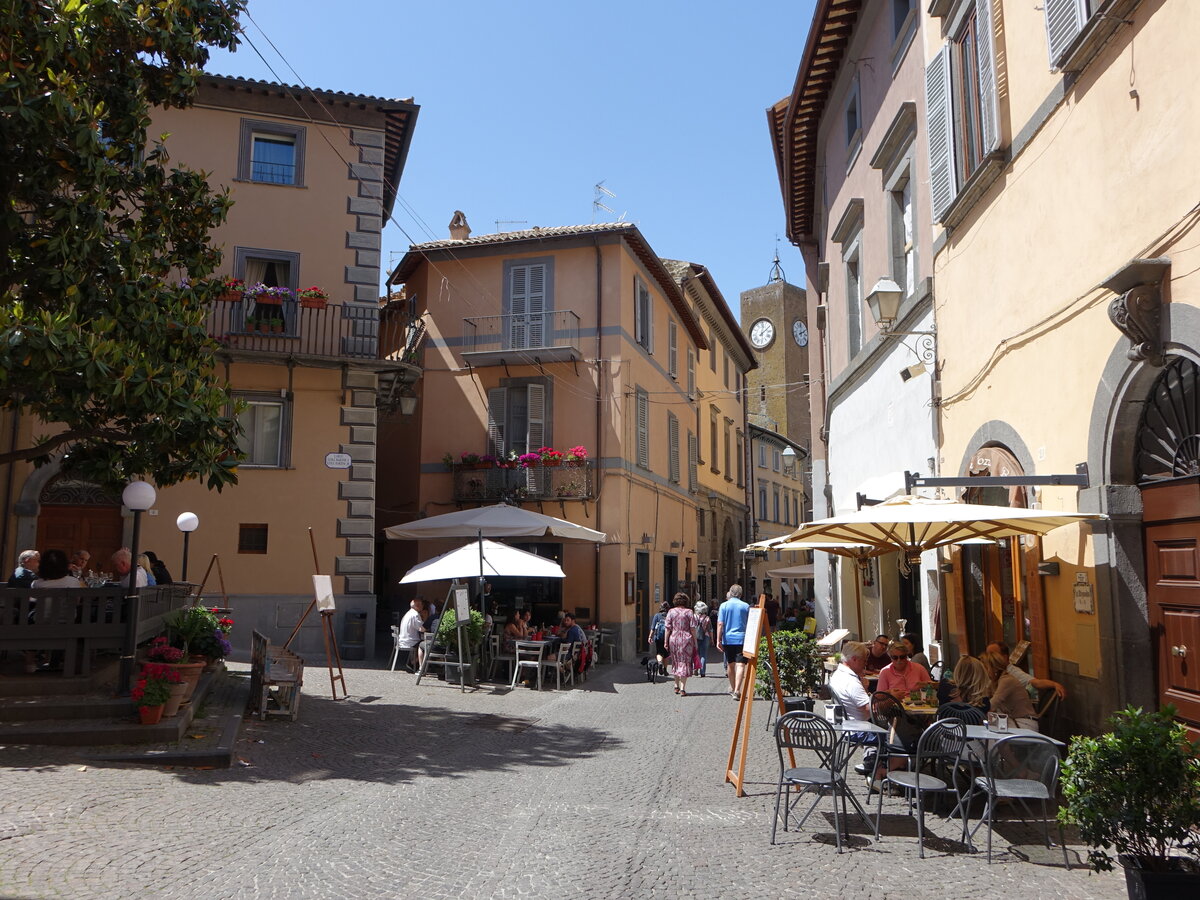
(78, 515)
(1167, 471)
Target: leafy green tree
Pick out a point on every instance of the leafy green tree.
(105, 253)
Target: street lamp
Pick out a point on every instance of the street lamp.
(789, 460)
(187, 523)
(138, 497)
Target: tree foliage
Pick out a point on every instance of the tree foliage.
(104, 243)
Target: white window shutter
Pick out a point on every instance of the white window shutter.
(535, 436)
(943, 186)
(497, 409)
(989, 104)
(691, 373)
(638, 312)
(693, 448)
(1064, 21)
(518, 309)
(643, 430)
(672, 348)
(673, 447)
(537, 306)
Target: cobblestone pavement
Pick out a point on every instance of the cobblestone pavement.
(612, 789)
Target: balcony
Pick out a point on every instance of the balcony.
(347, 331)
(569, 481)
(521, 339)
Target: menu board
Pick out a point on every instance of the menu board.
(462, 605)
(753, 627)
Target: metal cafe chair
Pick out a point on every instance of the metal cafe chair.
(395, 645)
(1021, 768)
(807, 731)
(940, 748)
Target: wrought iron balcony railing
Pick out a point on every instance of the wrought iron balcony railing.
(574, 480)
(337, 330)
(549, 336)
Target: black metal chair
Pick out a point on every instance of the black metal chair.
(1021, 768)
(964, 712)
(808, 731)
(940, 748)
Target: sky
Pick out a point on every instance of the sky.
(526, 106)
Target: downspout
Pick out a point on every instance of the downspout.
(599, 425)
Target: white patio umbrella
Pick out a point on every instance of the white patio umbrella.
(792, 572)
(496, 560)
(498, 521)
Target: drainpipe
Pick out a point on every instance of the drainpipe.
(599, 426)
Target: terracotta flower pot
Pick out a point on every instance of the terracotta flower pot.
(150, 715)
(171, 707)
(189, 672)
(313, 302)
(230, 296)
(551, 462)
(268, 300)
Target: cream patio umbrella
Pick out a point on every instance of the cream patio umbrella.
(497, 521)
(497, 560)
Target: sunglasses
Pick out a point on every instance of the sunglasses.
(899, 657)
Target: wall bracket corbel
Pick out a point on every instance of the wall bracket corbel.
(1137, 308)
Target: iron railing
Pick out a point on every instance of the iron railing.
(337, 330)
(535, 331)
(575, 480)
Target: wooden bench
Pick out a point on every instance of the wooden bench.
(276, 679)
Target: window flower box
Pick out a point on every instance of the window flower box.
(262, 295)
(313, 298)
(232, 290)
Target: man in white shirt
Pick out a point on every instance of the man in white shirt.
(846, 682)
(122, 562)
(410, 633)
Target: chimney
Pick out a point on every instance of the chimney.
(459, 229)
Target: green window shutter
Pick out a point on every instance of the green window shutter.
(940, 128)
(989, 104)
(497, 409)
(1064, 21)
(538, 306)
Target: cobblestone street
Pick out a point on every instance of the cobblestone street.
(612, 789)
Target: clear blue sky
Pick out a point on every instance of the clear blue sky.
(525, 106)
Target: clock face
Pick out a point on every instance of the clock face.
(762, 333)
(800, 333)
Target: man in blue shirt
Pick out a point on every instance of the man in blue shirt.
(731, 635)
(571, 632)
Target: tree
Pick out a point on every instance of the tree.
(105, 253)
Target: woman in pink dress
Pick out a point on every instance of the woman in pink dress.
(681, 641)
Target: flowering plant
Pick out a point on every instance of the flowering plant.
(579, 452)
(225, 624)
(549, 453)
(470, 458)
(154, 687)
(214, 644)
(189, 624)
(529, 459)
(161, 651)
(234, 284)
(313, 293)
(488, 458)
(263, 292)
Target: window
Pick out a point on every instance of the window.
(693, 448)
(1065, 20)
(762, 502)
(700, 521)
(673, 349)
(904, 252)
(672, 448)
(741, 458)
(853, 297)
(691, 373)
(699, 459)
(274, 268)
(960, 104)
(784, 494)
(271, 153)
(762, 456)
(712, 352)
(519, 418)
(796, 509)
(728, 450)
(854, 119)
(643, 313)
(762, 393)
(725, 357)
(900, 11)
(713, 439)
(265, 431)
(252, 539)
(775, 497)
(528, 289)
(775, 459)
(643, 429)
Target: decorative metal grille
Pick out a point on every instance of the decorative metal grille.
(73, 492)
(1168, 439)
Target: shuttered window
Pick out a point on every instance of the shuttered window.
(497, 418)
(714, 440)
(536, 436)
(673, 448)
(643, 315)
(673, 348)
(741, 458)
(527, 306)
(961, 108)
(1064, 21)
(693, 448)
(691, 373)
(643, 429)
(518, 419)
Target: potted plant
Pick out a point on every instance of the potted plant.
(1136, 790)
(277, 325)
(800, 664)
(213, 645)
(185, 626)
(529, 459)
(313, 298)
(575, 456)
(264, 295)
(487, 461)
(251, 324)
(151, 692)
(231, 289)
(448, 460)
(470, 460)
(447, 633)
(550, 456)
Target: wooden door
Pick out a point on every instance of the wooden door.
(1173, 589)
(97, 529)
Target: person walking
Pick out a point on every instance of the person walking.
(731, 634)
(681, 641)
(658, 635)
(703, 636)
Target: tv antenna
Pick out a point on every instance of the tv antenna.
(598, 202)
(500, 222)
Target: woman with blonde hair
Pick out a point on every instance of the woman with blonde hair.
(1009, 696)
(972, 683)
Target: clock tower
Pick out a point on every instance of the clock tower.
(774, 319)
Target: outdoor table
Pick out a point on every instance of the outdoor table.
(983, 733)
(919, 709)
(848, 727)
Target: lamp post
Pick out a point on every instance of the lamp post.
(187, 523)
(138, 497)
(789, 460)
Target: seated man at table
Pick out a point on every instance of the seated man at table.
(877, 654)
(903, 675)
(846, 682)
(570, 632)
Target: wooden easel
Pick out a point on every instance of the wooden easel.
(741, 726)
(332, 655)
(215, 561)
